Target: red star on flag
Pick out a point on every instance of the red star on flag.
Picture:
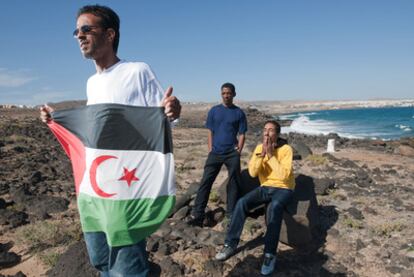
(129, 176)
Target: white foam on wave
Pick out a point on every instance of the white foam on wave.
(303, 124)
(295, 115)
(405, 128)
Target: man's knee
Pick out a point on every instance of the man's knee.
(276, 206)
(242, 205)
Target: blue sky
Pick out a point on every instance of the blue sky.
(271, 50)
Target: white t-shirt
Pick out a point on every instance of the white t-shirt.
(127, 83)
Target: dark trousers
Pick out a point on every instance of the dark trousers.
(211, 170)
(278, 199)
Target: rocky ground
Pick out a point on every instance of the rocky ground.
(364, 195)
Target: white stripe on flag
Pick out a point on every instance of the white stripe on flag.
(154, 171)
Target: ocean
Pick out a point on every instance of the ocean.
(373, 123)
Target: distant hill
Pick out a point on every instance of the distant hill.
(67, 104)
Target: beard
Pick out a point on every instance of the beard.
(93, 48)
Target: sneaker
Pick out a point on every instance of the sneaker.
(268, 265)
(225, 253)
(194, 221)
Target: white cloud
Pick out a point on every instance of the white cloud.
(14, 79)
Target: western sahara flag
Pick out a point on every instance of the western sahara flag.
(123, 168)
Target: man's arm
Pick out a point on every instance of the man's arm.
(242, 138)
(242, 131)
(210, 140)
(255, 163)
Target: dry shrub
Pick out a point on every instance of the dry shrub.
(46, 234)
(317, 160)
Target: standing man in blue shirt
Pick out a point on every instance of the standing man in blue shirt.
(227, 126)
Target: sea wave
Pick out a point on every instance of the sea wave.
(303, 124)
(378, 123)
(405, 128)
(295, 115)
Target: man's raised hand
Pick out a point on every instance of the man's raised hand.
(171, 104)
(45, 113)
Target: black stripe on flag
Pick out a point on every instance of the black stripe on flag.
(118, 127)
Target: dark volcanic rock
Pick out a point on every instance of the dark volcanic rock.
(74, 262)
(7, 259)
(36, 178)
(4, 187)
(184, 198)
(213, 268)
(18, 274)
(322, 186)
(349, 164)
(3, 204)
(40, 205)
(301, 149)
(13, 218)
(355, 213)
(170, 268)
(153, 243)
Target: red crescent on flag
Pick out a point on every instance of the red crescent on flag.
(92, 174)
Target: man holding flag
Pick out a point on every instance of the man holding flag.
(121, 155)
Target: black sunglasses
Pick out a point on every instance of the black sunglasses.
(84, 29)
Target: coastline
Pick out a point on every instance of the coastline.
(268, 106)
(361, 187)
(286, 107)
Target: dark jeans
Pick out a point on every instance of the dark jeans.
(277, 197)
(121, 261)
(211, 170)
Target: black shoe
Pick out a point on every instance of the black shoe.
(195, 221)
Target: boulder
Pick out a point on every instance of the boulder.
(322, 185)
(301, 217)
(74, 262)
(185, 198)
(405, 150)
(8, 259)
(247, 184)
(300, 149)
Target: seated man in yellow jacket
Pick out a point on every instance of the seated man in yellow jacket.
(272, 162)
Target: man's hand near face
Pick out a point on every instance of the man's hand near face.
(264, 146)
(268, 146)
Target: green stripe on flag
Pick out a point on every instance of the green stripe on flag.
(125, 222)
